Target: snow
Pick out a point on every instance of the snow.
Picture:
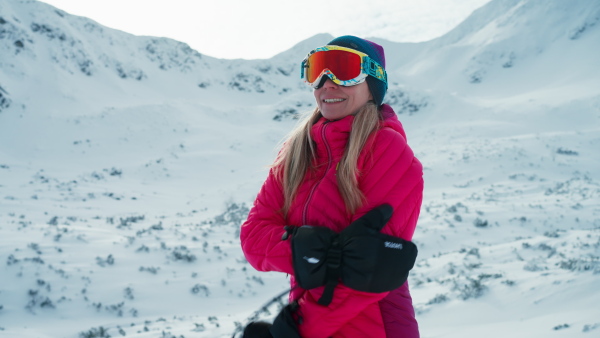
(127, 164)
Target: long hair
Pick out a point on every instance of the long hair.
(298, 156)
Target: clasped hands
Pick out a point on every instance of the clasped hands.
(360, 256)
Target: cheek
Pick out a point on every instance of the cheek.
(316, 95)
(361, 93)
(361, 98)
(366, 93)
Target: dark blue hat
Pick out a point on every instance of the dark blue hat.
(375, 52)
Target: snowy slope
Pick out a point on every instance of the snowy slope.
(127, 164)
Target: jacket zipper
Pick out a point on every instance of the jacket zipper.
(329, 161)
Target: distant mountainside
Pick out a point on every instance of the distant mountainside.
(127, 164)
(37, 39)
(506, 40)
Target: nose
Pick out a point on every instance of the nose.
(329, 84)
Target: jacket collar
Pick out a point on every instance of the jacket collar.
(331, 136)
(335, 133)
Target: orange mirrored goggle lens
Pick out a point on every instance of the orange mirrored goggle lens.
(344, 65)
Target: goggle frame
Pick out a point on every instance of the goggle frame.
(368, 66)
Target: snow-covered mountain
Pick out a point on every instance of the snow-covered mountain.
(127, 164)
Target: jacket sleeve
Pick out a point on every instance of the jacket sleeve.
(260, 235)
(389, 174)
(393, 175)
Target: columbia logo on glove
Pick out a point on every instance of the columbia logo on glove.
(393, 245)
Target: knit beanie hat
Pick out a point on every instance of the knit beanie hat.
(375, 52)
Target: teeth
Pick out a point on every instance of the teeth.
(333, 100)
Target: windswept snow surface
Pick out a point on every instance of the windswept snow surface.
(127, 165)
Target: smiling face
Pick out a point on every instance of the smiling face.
(336, 102)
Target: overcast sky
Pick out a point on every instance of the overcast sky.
(253, 29)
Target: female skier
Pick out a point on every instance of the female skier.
(340, 206)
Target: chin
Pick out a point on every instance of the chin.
(333, 115)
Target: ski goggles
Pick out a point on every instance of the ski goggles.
(344, 66)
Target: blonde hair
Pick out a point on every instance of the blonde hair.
(298, 156)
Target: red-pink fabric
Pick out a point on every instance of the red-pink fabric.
(388, 173)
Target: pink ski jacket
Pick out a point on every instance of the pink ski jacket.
(389, 173)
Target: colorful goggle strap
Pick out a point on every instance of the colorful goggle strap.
(367, 66)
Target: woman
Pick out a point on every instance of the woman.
(349, 157)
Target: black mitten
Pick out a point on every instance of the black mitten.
(372, 261)
(311, 248)
(371, 222)
(257, 330)
(284, 325)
